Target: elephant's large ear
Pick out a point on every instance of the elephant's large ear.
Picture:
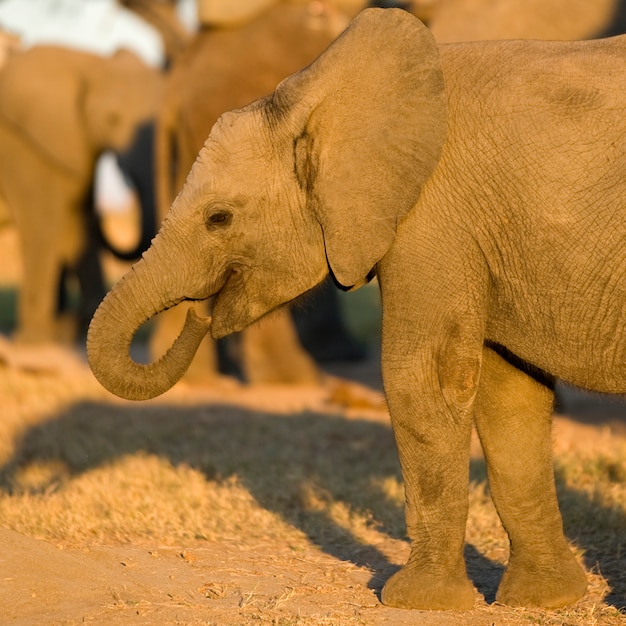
(40, 97)
(370, 116)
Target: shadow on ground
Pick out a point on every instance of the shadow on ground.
(275, 456)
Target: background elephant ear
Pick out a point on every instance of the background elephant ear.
(40, 96)
(371, 112)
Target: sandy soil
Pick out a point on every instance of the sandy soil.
(249, 578)
(259, 581)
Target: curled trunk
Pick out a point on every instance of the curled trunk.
(112, 330)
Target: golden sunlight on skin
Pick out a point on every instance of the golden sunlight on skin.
(465, 186)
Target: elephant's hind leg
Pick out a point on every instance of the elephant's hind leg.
(272, 353)
(513, 414)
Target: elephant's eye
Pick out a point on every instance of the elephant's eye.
(218, 219)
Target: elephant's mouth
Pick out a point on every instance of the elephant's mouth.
(231, 303)
(231, 281)
(212, 288)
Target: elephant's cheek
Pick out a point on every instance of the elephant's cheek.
(228, 315)
(224, 323)
(234, 308)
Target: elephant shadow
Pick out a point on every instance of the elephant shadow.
(276, 457)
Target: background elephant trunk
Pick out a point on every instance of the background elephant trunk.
(115, 323)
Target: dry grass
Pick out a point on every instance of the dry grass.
(288, 510)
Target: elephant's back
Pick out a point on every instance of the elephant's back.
(29, 75)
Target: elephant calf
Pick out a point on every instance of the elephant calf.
(483, 183)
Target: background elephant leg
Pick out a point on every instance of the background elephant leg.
(90, 277)
(87, 269)
(37, 201)
(37, 304)
(167, 326)
(272, 353)
(513, 415)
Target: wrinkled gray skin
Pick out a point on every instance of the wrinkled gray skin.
(484, 184)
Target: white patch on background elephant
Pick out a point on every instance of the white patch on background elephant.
(483, 183)
(101, 27)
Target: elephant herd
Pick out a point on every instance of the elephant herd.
(482, 183)
(61, 108)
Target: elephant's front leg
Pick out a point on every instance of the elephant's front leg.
(430, 391)
(513, 414)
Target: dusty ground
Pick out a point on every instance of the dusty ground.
(259, 506)
(255, 564)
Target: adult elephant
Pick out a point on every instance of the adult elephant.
(241, 53)
(484, 184)
(163, 16)
(480, 20)
(59, 110)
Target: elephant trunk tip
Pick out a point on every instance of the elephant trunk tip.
(108, 353)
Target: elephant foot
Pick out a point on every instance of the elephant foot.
(348, 394)
(563, 583)
(411, 588)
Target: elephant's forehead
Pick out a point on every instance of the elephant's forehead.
(222, 176)
(219, 168)
(232, 154)
(236, 136)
